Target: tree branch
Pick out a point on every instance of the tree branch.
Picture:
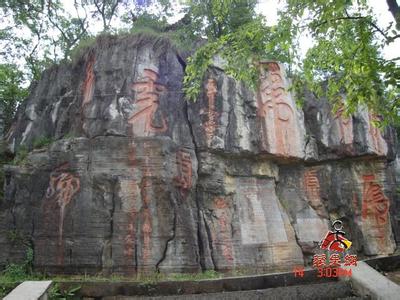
(113, 8)
(388, 38)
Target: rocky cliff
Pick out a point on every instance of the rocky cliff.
(136, 179)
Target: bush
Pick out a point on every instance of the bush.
(42, 142)
(20, 156)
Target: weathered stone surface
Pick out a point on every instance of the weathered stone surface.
(336, 135)
(357, 192)
(138, 180)
(228, 115)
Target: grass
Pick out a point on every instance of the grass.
(21, 156)
(15, 274)
(42, 142)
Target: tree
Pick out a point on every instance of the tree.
(11, 92)
(345, 64)
(217, 18)
(241, 42)
(346, 55)
(32, 33)
(105, 10)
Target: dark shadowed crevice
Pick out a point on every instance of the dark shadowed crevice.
(112, 210)
(210, 243)
(291, 221)
(200, 242)
(164, 255)
(181, 61)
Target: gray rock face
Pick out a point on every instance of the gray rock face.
(138, 180)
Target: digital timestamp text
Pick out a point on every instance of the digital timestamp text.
(333, 272)
(327, 272)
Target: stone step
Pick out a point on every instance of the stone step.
(30, 290)
(366, 281)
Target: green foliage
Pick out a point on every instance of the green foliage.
(148, 20)
(82, 47)
(33, 19)
(6, 288)
(21, 156)
(61, 294)
(209, 274)
(241, 50)
(3, 160)
(69, 135)
(16, 236)
(14, 273)
(345, 63)
(11, 92)
(19, 272)
(217, 18)
(42, 142)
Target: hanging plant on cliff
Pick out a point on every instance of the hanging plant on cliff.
(239, 36)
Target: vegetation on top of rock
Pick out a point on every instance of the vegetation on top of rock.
(346, 54)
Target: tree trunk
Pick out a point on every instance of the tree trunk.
(395, 10)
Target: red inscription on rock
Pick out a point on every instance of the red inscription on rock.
(88, 85)
(211, 124)
(145, 190)
(184, 169)
(375, 204)
(312, 189)
(63, 186)
(222, 208)
(345, 125)
(378, 143)
(311, 184)
(147, 119)
(130, 237)
(274, 109)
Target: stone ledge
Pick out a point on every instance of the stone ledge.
(366, 281)
(30, 290)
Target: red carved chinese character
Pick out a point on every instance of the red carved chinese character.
(334, 260)
(184, 166)
(146, 229)
(147, 101)
(345, 126)
(312, 189)
(378, 142)
(212, 115)
(275, 110)
(88, 85)
(350, 260)
(319, 260)
(63, 185)
(221, 212)
(374, 201)
(311, 183)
